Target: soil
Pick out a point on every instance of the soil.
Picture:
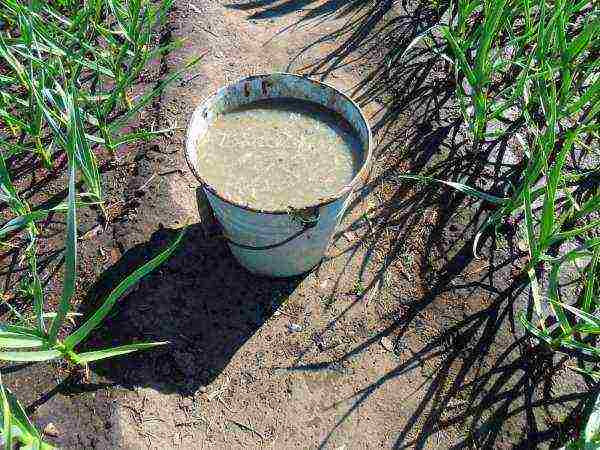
(401, 338)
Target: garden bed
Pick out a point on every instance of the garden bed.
(401, 337)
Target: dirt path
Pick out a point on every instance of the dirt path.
(249, 389)
(401, 339)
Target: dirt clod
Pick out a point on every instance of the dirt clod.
(51, 430)
(294, 327)
(387, 344)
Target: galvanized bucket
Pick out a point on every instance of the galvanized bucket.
(277, 243)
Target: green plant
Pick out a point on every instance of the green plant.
(39, 342)
(589, 438)
(358, 288)
(67, 73)
(16, 426)
(68, 70)
(529, 70)
(66, 76)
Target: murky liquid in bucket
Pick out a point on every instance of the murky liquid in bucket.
(275, 154)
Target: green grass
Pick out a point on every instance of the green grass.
(529, 70)
(36, 342)
(66, 77)
(67, 72)
(16, 426)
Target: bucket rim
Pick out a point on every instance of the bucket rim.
(347, 189)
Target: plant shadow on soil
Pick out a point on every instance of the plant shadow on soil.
(200, 300)
(485, 376)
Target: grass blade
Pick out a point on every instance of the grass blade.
(4, 328)
(7, 419)
(20, 416)
(87, 357)
(70, 259)
(82, 332)
(594, 374)
(586, 317)
(146, 98)
(21, 222)
(541, 335)
(12, 340)
(467, 190)
(590, 287)
(42, 355)
(38, 295)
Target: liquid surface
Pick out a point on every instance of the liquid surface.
(275, 154)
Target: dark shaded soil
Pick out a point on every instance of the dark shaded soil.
(80, 410)
(200, 296)
(400, 339)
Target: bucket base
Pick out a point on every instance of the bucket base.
(270, 276)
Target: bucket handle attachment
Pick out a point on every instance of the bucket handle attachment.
(307, 218)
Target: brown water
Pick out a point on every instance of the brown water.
(275, 154)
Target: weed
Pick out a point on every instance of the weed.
(39, 341)
(407, 259)
(358, 288)
(16, 426)
(530, 71)
(67, 76)
(67, 71)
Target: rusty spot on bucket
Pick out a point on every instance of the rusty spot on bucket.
(247, 90)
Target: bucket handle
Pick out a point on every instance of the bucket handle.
(308, 218)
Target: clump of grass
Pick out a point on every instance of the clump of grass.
(67, 70)
(16, 426)
(73, 67)
(37, 339)
(38, 342)
(529, 70)
(358, 288)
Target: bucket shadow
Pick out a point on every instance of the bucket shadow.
(201, 300)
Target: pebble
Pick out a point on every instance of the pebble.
(523, 246)
(51, 430)
(387, 344)
(294, 327)
(350, 236)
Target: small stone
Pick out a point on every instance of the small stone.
(115, 255)
(350, 236)
(294, 327)
(523, 246)
(203, 389)
(51, 430)
(387, 344)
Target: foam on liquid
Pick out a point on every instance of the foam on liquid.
(275, 154)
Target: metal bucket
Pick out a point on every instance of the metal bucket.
(277, 243)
